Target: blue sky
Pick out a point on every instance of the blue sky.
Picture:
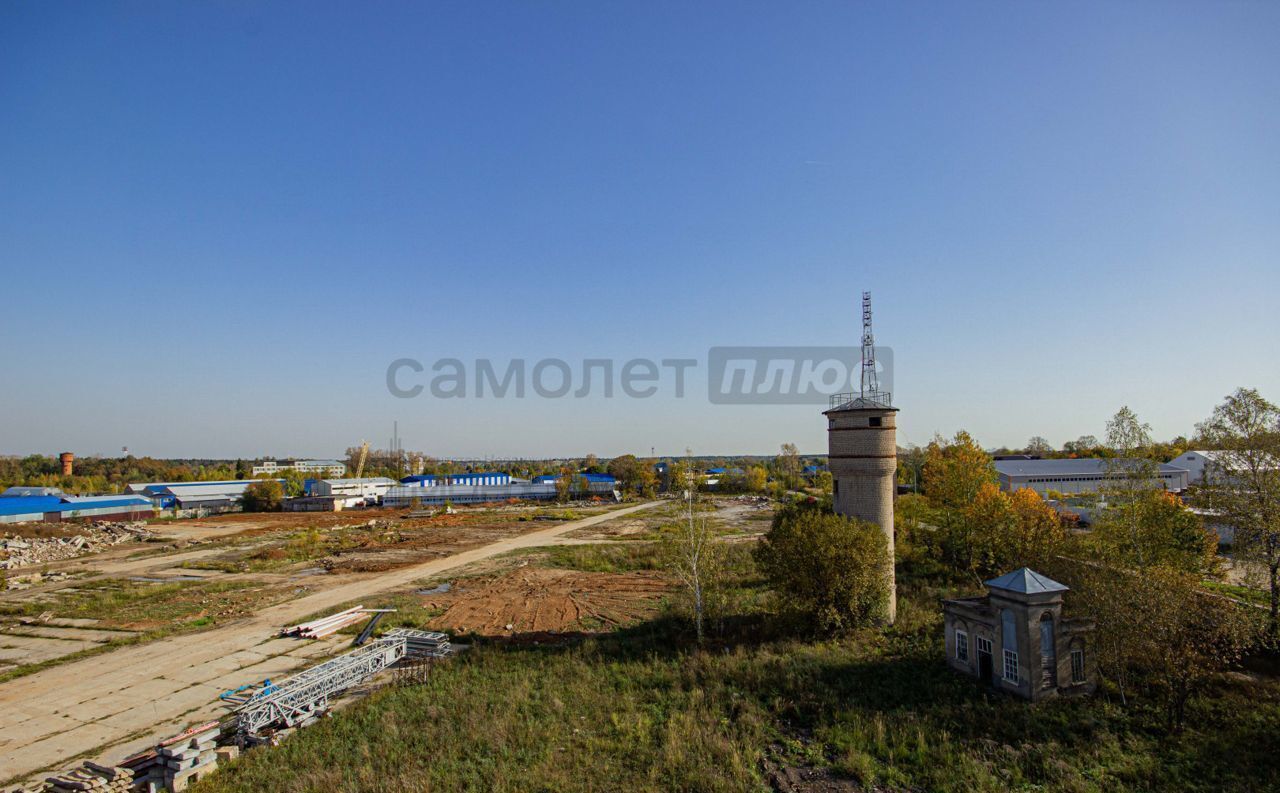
(220, 222)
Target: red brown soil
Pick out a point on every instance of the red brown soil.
(539, 600)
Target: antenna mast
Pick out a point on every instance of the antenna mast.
(870, 386)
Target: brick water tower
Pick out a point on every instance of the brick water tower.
(862, 451)
(68, 461)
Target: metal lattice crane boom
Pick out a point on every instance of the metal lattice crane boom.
(364, 455)
(307, 693)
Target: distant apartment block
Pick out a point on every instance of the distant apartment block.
(330, 468)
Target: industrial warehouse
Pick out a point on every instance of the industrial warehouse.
(1074, 476)
(49, 505)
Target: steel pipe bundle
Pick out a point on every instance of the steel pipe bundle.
(318, 629)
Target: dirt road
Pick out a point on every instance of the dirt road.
(108, 705)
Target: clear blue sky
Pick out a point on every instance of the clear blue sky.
(219, 222)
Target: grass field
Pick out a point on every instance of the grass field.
(640, 709)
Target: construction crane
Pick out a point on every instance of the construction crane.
(364, 455)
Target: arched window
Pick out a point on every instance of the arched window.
(1077, 662)
(1048, 652)
(1009, 642)
(1047, 648)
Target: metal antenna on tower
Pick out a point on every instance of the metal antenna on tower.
(870, 384)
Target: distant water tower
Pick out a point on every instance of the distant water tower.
(862, 450)
(68, 461)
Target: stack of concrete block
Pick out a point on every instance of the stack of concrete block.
(180, 761)
(92, 777)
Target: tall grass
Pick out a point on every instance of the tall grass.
(640, 710)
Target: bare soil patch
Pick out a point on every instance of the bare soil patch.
(539, 600)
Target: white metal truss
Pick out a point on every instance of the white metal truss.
(307, 693)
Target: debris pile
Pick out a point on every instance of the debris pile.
(34, 579)
(16, 551)
(176, 763)
(108, 779)
(90, 777)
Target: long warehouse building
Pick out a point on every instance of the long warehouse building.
(1082, 475)
(54, 508)
(219, 495)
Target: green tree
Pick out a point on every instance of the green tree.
(264, 495)
(1243, 484)
(627, 470)
(1188, 638)
(826, 568)
(1159, 628)
(955, 471)
(1129, 476)
(911, 467)
(294, 482)
(1038, 445)
(564, 485)
(956, 474)
(823, 481)
(1156, 529)
(694, 554)
(788, 464)
(757, 479)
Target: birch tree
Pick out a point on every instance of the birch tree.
(1243, 482)
(692, 550)
(1128, 474)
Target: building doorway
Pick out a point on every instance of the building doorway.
(984, 659)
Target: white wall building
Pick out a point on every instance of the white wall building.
(1201, 464)
(326, 467)
(1082, 475)
(368, 489)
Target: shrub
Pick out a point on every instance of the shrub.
(826, 568)
(263, 496)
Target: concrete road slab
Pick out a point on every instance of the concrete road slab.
(32, 650)
(75, 634)
(161, 711)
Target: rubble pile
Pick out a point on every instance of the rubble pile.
(17, 551)
(34, 579)
(90, 777)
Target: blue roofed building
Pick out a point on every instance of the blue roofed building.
(51, 509)
(469, 479)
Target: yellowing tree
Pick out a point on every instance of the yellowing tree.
(1007, 531)
(1038, 531)
(954, 471)
(757, 479)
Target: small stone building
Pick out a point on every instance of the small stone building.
(1016, 639)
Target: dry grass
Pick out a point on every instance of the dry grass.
(639, 709)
